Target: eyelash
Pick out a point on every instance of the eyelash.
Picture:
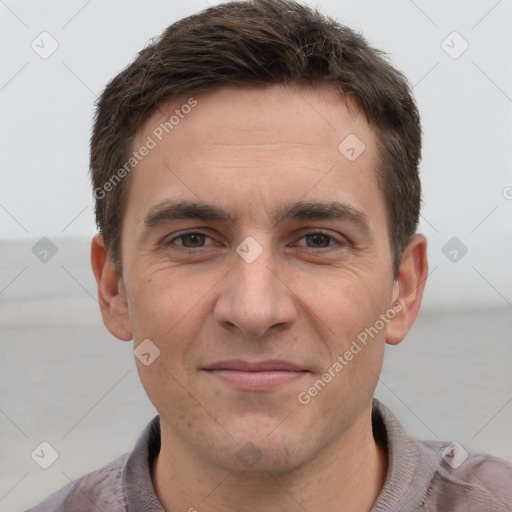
(309, 233)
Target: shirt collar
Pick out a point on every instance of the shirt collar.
(408, 462)
(137, 483)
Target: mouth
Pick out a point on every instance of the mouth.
(258, 376)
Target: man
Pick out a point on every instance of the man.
(257, 194)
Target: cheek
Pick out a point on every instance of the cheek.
(170, 310)
(347, 312)
(166, 310)
(172, 396)
(344, 302)
(355, 341)
(161, 302)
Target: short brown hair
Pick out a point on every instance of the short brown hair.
(258, 43)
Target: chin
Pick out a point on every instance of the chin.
(261, 454)
(263, 461)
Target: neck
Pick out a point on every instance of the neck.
(347, 476)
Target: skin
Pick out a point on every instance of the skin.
(302, 300)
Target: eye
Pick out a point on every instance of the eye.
(191, 240)
(313, 240)
(317, 240)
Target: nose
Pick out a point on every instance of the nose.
(255, 299)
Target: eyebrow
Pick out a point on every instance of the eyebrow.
(170, 210)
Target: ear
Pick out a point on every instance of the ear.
(408, 289)
(111, 292)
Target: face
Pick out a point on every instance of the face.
(255, 253)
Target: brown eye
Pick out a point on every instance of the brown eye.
(193, 240)
(318, 240)
(190, 240)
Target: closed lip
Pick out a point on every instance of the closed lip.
(260, 366)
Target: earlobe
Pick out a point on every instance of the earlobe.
(408, 289)
(111, 292)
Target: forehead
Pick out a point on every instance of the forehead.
(320, 117)
(258, 147)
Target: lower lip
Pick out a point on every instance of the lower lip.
(257, 381)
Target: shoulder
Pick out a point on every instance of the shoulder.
(468, 481)
(438, 476)
(99, 490)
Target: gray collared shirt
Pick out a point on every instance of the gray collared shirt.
(423, 476)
